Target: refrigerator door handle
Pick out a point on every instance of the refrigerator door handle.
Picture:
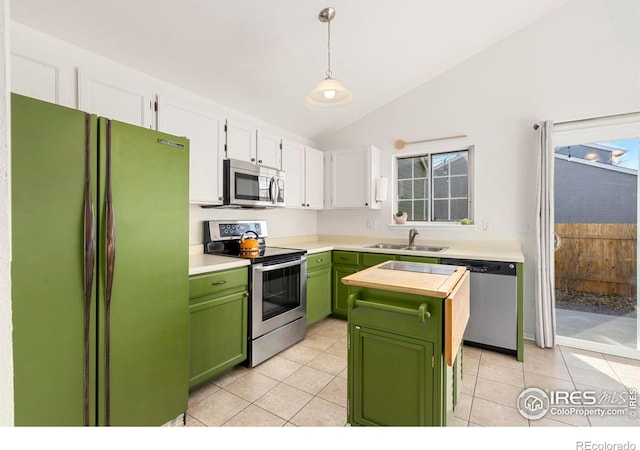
(111, 259)
(89, 261)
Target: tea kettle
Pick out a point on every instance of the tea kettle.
(249, 244)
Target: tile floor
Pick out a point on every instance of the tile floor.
(306, 385)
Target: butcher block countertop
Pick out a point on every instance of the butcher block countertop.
(433, 282)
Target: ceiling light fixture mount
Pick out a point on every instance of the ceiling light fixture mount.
(329, 93)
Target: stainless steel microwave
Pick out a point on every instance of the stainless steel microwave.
(251, 185)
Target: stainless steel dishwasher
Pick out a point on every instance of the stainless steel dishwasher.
(493, 317)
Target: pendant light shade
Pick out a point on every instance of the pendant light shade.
(329, 93)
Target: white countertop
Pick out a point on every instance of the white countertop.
(202, 263)
(478, 250)
(462, 250)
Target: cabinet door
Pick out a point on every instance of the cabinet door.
(241, 141)
(314, 178)
(391, 379)
(115, 97)
(218, 329)
(206, 147)
(318, 295)
(268, 152)
(35, 79)
(340, 291)
(349, 183)
(293, 165)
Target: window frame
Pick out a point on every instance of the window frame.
(429, 152)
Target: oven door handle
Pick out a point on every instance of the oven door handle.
(263, 268)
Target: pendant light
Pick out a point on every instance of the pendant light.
(329, 93)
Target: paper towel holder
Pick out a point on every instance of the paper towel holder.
(382, 184)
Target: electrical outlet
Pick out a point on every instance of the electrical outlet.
(486, 224)
(372, 224)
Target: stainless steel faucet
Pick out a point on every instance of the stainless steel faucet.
(412, 236)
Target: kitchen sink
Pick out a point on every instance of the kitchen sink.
(417, 248)
(387, 246)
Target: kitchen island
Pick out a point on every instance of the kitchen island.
(406, 322)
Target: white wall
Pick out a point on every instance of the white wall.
(6, 344)
(582, 60)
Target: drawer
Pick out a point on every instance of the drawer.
(221, 282)
(318, 261)
(371, 259)
(422, 259)
(346, 258)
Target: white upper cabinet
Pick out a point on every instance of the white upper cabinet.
(241, 141)
(35, 78)
(293, 165)
(314, 178)
(352, 178)
(268, 149)
(205, 132)
(250, 144)
(115, 96)
(304, 176)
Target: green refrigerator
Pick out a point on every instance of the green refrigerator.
(99, 269)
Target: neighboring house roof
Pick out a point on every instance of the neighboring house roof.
(606, 154)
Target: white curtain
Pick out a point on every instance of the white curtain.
(545, 283)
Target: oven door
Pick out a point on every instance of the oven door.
(278, 294)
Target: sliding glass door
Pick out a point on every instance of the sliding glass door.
(596, 217)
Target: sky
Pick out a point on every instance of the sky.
(630, 159)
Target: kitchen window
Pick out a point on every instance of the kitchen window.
(434, 187)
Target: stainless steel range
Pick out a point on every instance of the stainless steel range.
(278, 284)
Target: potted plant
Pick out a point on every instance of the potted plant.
(400, 217)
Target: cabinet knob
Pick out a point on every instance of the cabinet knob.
(366, 204)
(259, 161)
(302, 204)
(253, 160)
(307, 205)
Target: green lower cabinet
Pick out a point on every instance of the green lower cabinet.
(396, 370)
(346, 263)
(392, 379)
(340, 291)
(318, 295)
(218, 324)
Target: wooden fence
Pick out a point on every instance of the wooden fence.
(597, 258)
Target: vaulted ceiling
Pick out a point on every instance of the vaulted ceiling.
(262, 57)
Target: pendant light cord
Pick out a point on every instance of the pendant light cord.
(329, 73)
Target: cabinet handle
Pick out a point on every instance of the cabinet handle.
(423, 314)
(302, 204)
(219, 283)
(344, 258)
(319, 260)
